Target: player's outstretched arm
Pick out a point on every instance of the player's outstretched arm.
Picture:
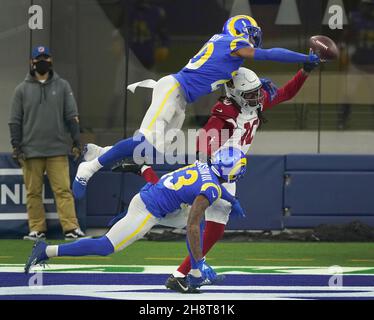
(276, 54)
(291, 88)
(198, 208)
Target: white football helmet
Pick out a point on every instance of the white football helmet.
(245, 89)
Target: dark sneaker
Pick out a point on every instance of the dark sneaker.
(197, 282)
(127, 166)
(38, 255)
(179, 285)
(74, 234)
(34, 235)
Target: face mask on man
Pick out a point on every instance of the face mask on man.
(42, 67)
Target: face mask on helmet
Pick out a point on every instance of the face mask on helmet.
(245, 99)
(254, 35)
(253, 98)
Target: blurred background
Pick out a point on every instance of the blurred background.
(100, 46)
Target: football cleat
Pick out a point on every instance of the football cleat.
(91, 151)
(38, 256)
(179, 284)
(126, 166)
(197, 282)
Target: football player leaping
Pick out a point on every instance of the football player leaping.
(198, 185)
(214, 65)
(240, 113)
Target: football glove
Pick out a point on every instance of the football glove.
(313, 57)
(237, 210)
(269, 87)
(206, 270)
(310, 66)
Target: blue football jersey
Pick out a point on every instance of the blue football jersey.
(179, 187)
(212, 66)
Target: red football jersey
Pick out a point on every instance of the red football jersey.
(228, 125)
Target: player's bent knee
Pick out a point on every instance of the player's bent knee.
(104, 246)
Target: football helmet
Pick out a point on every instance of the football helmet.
(229, 163)
(245, 89)
(244, 26)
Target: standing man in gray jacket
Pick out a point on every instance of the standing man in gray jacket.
(43, 113)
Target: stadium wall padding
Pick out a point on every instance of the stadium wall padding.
(291, 191)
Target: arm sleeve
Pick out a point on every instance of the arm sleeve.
(208, 138)
(211, 191)
(70, 106)
(16, 117)
(280, 55)
(287, 92)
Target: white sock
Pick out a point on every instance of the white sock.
(143, 168)
(51, 251)
(195, 273)
(178, 274)
(95, 164)
(105, 149)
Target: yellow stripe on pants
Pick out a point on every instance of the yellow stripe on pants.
(162, 105)
(134, 233)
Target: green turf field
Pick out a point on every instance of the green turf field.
(224, 253)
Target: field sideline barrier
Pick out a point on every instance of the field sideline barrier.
(291, 191)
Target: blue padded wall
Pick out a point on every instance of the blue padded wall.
(314, 189)
(261, 194)
(328, 189)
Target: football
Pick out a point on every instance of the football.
(324, 47)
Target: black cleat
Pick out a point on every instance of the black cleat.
(180, 285)
(197, 282)
(127, 166)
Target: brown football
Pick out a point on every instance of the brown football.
(324, 47)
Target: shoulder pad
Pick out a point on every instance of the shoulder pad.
(225, 109)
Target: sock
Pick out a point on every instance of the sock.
(195, 273)
(212, 233)
(51, 251)
(95, 164)
(85, 247)
(122, 149)
(149, 174)
(178, 274)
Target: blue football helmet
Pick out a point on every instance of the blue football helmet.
(244, 26)
(229, 163)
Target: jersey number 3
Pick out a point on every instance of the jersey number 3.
(189, 177)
